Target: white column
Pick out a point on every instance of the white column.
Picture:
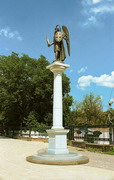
(57, 135)
(57, 101)
(57, 68)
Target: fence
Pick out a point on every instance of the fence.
(92, 134)
(23, 132)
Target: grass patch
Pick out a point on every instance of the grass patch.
(95, 150)
(81, 149)
(110, 152)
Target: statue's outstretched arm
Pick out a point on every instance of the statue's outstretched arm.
(48, 43)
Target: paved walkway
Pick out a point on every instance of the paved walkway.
(97, 159)
(13, 165)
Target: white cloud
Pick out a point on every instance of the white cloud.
(90, 21)
(19, 38)
(7, 49)
(91, 2)
(101, 97)
(10, 34)
(86, 2)
(82, 70)
(93, 10)
(84, 81)
(103, 80)
(112, 100)
(96, 1)
(102, 9)
(71, 70)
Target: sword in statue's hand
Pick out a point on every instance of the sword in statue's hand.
(47, 39)
(48, 43)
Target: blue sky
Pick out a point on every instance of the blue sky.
(25, 23)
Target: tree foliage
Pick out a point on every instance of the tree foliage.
(109, 115)
(26, 90)
(89, 111)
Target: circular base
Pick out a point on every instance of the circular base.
(63, 159)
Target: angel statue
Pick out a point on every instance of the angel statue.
(58, 43)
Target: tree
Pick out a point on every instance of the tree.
(27, 87)
(91, 108)
(89, 111)
(31, 121)
(109, 116)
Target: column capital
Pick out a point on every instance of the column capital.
(57, 67)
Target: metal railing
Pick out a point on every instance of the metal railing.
(93, 134)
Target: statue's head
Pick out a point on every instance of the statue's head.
(57, 28)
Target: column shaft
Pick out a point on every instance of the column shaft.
(57, 101)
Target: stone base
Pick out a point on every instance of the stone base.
(57, 141)
(57, 152)
(68, 159)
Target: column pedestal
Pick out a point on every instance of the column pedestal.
(57, 141)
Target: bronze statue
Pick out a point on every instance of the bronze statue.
(58, 43)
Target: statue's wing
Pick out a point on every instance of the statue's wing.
(66, 32)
